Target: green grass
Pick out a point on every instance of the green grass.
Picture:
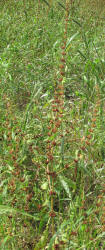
(31, 36)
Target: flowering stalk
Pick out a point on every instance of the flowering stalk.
(56, 122)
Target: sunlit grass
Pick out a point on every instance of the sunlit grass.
(52, 191)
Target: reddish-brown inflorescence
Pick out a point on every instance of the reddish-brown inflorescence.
(55, 123)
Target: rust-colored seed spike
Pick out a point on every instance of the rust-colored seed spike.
(61, 66)
(63, 60)
(52, 214)
(63, 53)
(62, 73)
(54, 126)
(63, 47)
(60, 79)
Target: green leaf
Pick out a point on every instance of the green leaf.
(43, 221)
(65, 223)
(62, 146)
(4, 241)
(44, 186)
(69, 41)
(46, 2)
(82, 54)
(43, 241)
(65, 185)
(5, 209)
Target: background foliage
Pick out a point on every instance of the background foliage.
(64, 207)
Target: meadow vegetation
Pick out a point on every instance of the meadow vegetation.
(52, 125)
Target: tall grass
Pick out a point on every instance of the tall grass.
(52, 128)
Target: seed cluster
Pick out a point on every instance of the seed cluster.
(86, 143)
(56, 121)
